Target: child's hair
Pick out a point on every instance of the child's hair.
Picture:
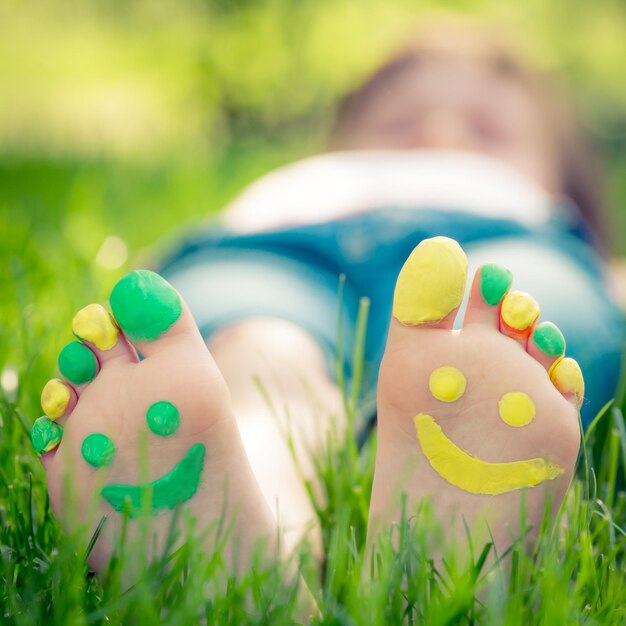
(579, 178)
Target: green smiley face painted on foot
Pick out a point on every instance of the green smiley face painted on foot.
(176, 486)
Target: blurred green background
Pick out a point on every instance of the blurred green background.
(126, 123)
(123, 123)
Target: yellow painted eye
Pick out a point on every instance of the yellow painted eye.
(516, 409)
(447, 383)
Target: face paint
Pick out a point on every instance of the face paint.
(177, 486)
(519, 310)
(567, 377)
(163, 418)
(447, 384)
(431, 282)
(549, 339)
(495, 281)
(55, 397)
(516, 409)
(94, 324)
(77, 363)
(471, 474)
(144, 305)
(45, 435)
(98, 450)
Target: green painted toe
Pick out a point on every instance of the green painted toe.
(45, 435)
(144, 305)
(77, 363)
(549, 339)
(495, 281)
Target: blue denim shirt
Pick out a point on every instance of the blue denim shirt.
(293, 273)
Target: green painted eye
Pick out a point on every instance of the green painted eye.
(163, 418)
(98, 450)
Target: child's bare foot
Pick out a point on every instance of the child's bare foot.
(145, 435)
(477, 417)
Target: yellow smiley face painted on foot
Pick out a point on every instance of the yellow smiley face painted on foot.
(461, 469)
(176, 486)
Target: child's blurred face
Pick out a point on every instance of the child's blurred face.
(456, 104)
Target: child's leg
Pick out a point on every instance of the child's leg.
(279, 372)
(477, 417)
(278, 381)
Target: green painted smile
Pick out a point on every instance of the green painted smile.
(177, 486)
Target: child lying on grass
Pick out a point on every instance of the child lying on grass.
(451, 142)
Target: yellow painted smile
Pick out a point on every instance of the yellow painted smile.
(472, 474)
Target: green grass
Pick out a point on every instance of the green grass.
(55, 216)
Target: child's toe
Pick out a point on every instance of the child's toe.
(546, 344)
(567, 377)
(45, 435)
(431, 284)
(95, 327)
(491, 283)
(78, 364)
(518, 314)
(152, 314)
(57, 399)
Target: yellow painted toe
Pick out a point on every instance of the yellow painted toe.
(519, 310)
(567, 377)
(431, 283)
(94, 324)
(54, 398)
